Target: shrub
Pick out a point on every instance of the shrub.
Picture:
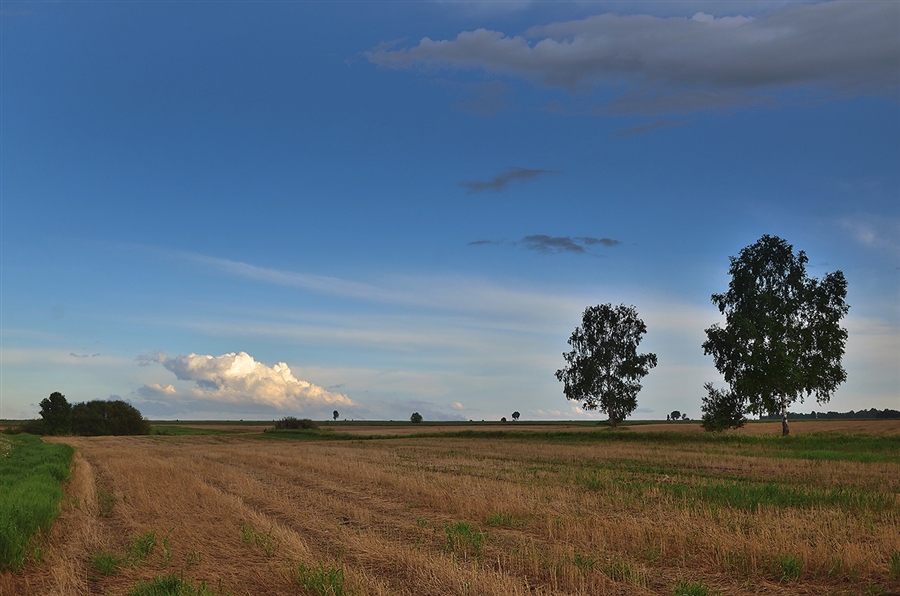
(292, 423)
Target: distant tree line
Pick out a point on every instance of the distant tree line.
(871, 413)
(91, 418)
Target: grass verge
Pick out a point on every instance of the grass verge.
(32, 474)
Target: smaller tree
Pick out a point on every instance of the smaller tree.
(722, 409)
(675, 415)
(416, 417)
(503, 419)
(604, 369)
(335, 414)
(515, 416)
(56, 413)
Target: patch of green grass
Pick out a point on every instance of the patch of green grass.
(749, 496)
(167, 430)
(691, 589)
(620, 570)
(106, 501)
(791, 568)
(464, 539)
(584, 562)
(310, 435)
(263, 540)
(31, 477)
(106, 563)
(320, 580)
(170, 585)
(500, 519)
(895, 565)
(141, 547)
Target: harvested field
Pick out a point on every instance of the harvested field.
(585, 513)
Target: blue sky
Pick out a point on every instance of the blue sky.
(250, 210)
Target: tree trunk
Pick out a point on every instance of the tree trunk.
(785, 430)
(612, 421)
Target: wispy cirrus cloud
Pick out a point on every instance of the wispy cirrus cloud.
(655, 64)
(501, 181)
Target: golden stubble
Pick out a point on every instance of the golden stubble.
(421, 516)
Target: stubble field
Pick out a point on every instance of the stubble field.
(534, 512)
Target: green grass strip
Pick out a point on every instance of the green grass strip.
(31, 477)
(177, 431)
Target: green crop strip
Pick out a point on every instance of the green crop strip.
(31, 477)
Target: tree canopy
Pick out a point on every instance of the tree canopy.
(56, 413)
(604, 369)
(782, 338)
(97, 417)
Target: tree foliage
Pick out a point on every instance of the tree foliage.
(515, 415)
(93, 418)
(335, 414)
(675, 415)
(782, 338)
(604, 369)
(722, 409)
(115, 417)
(416, 417)
(56, 415)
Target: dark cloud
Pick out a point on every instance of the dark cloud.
(500, 182)
(74, 355)
(608, 242)
(554, 244)
(543, 243)
(680, 64)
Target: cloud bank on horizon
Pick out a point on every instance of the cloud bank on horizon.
(659, 65)
(236, 378)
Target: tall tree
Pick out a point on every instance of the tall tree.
(782, 338)
(56, 413)
(604, 369)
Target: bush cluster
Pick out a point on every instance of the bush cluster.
(292, 423)
(92, 418)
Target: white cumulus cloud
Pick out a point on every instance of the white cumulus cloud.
(237, 378)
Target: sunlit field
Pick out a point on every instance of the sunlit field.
(480, 510)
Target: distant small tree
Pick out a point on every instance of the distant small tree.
(503, 419)
(675, 415)
(604, 369)
(335, 414)
(416, 417)
(722, 409)
(56, 413)
(515, 416)
(684, 417)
